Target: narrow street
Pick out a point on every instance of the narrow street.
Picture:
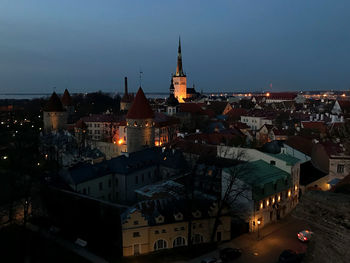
(273, 240)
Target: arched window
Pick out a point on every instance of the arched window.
(179, 242)
(160, 244)
(197, 239)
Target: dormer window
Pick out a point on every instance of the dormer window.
(178, 216)
(197, 214)
(160, 219)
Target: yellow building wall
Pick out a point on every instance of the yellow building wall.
(168, 232)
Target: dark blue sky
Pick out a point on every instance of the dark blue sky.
(88, 45)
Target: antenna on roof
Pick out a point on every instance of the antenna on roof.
(141, 77)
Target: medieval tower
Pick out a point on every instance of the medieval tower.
(179, 79)
(55, 115)
(140, 124)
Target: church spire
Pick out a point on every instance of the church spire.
(179, 71)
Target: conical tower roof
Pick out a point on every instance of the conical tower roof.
(140, 108)
(54, 103)
(66, 98)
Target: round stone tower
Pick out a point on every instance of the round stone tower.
(140, 124)
(55, 116)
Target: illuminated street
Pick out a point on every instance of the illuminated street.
(274, 239)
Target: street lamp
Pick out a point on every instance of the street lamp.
(259, 222)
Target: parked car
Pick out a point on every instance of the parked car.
(305, 235)
(229, 253)
(211, 260)
(290, 256)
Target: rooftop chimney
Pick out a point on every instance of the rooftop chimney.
(126, 85)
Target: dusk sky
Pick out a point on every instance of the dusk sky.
(234, 45)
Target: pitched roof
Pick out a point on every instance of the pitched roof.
(54, 103)
(282, 96)
(261, 175)
(217, 106)
(300, 143)
(344, 104)
(66, 98)
(140, 108)
(315, 125)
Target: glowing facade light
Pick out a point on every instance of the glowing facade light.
(289, 193)
(261, 205)
(296, 188)
(279, 198)
(120, 141)
(273, 200)
(268, 94)
(259, 222)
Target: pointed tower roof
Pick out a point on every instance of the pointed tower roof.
(179, 70)
(67, 99)
(140, 108)
(54, 104)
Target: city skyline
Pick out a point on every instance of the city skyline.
(231, 46)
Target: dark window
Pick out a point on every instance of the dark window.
(273, 162)
(156, 232)
(116, 181)
(340, 168)
(84, 191)
(149, 175)
(136, 179)
(143, 177)
(100, 186)
(163, 231)
(136, 222)
(136, 234)
(109, 183)
(109, 197)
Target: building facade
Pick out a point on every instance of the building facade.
(155, 225)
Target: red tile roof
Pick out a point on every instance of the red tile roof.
(192, 107)
(140, 108)
(282, 96)
(315, 125)
(333, 148)
(300, 143)
(236, 113)
(344, 105)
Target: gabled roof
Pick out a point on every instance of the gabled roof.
(217, 106)
(54, 104)
(67, 99)
(140, 108)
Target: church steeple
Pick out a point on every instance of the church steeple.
(179, 71)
